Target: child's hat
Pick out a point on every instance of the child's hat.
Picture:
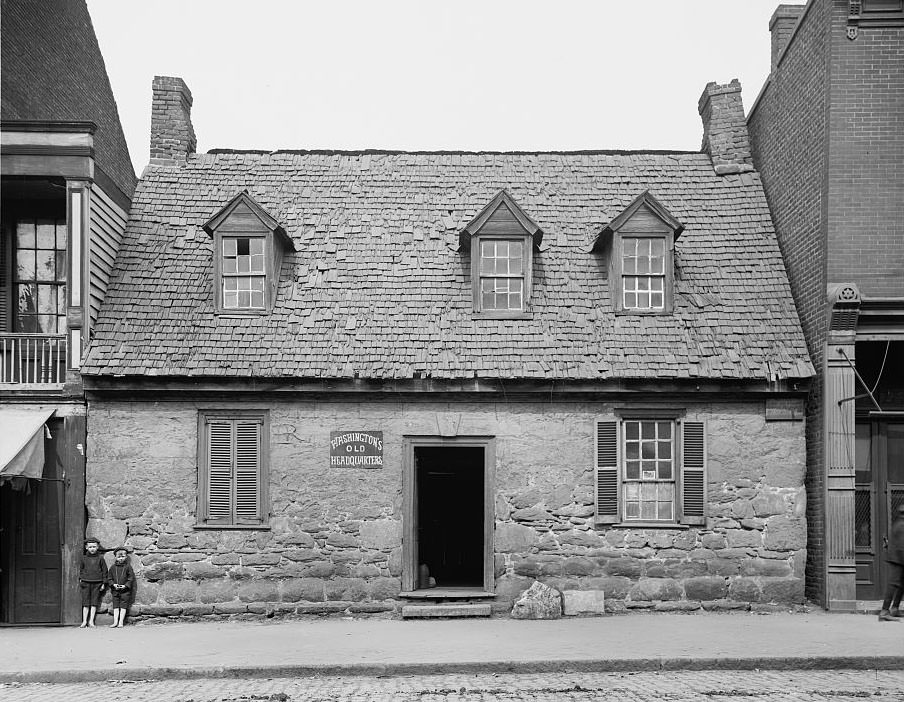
(120, 548)
(92, 540)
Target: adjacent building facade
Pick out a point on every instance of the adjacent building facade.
(827, 135)
(357, 381)
(67, 183)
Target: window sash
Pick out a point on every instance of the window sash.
(244, 292)
(643, 270)
(648, 470)
(502, 275)
(243, 272)
(39, 276)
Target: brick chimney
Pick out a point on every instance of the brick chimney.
(781, 26)
(172, 135)
(725, 136)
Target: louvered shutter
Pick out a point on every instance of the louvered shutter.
(219, 471)
(247, 472)
(607, 453)
(693, 473)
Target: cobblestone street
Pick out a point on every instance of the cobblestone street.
(737, 686)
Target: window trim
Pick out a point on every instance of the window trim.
(477, 242)
(878, 17)
(667, 277)
(205, 417)
(220, 277)
(683, 464)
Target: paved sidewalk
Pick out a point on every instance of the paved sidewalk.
(392, 647)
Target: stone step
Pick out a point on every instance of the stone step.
(424, 611)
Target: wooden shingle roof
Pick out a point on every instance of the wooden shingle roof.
(377, 286)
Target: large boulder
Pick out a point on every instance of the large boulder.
(539, 601)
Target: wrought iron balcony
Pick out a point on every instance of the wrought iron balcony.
(33, 359)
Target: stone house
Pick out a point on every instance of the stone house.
(827, 137)
(66, 188)
(363, 381)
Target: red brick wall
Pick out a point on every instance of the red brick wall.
(866, 157)
(788, 139)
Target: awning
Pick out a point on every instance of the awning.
(22, 443)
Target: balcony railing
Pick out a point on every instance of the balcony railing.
(33, 359)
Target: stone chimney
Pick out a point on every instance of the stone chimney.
(781, 26)
(725, 136)
(172, 135)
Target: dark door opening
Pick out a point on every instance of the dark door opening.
(30, 538)
(449, 490)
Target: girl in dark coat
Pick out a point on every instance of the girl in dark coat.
(895, 557)
(121, 578)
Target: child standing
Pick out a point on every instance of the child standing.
(92, 576)
(122, 581)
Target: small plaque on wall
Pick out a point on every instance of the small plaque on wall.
(356, 449)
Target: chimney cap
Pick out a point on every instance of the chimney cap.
(713, 88)
(786, 12)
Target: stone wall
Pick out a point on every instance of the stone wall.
(335, 538)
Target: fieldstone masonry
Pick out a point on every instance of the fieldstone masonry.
(335, 537)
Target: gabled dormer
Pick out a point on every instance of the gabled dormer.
(248, 245)
(640, 244)
(502, 240)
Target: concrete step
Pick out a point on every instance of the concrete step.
(424, 611)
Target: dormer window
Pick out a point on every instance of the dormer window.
(249, 246)
(640, 245)
(501, 240)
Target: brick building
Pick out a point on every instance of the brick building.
(347, 381)
(67, 183)
(827, 135)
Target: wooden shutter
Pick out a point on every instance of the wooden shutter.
(219, 472)
(232, 489)
(247, 472)
(607, 488)
(693, 473)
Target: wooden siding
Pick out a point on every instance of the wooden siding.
(107, 224)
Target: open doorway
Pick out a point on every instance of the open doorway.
(449, 516)
(448, 542)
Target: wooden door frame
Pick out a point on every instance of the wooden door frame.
(409, 502)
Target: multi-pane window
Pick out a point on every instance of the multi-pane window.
(233, 466)
(40, 276)
(643, 273)
(501, 275)
(243, 273)
(649, 470)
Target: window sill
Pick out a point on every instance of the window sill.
(645, 525)
(231, 527)
(501, 315)
(643, 313)
(240, 314)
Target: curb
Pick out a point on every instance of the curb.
(464, 667)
